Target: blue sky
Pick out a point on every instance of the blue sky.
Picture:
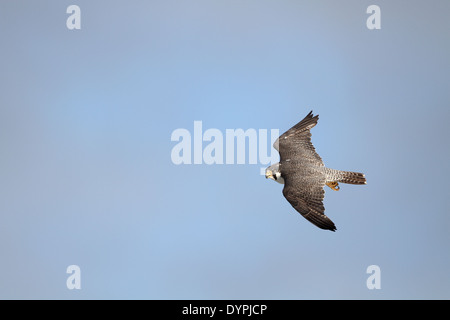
(86, 176)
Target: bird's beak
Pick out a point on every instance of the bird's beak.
(269, 174)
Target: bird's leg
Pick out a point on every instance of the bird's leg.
(333, 185)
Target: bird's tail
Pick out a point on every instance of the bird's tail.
(350, 177)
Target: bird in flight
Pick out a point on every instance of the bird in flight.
(304, 175)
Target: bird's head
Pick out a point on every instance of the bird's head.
(273, 172)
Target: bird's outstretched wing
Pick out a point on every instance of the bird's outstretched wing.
(306, 197)
(296, 142)
(300, 168)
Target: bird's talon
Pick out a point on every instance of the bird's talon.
(333, 185)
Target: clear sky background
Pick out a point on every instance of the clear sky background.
(86, 176)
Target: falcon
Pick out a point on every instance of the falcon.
(304, 175)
